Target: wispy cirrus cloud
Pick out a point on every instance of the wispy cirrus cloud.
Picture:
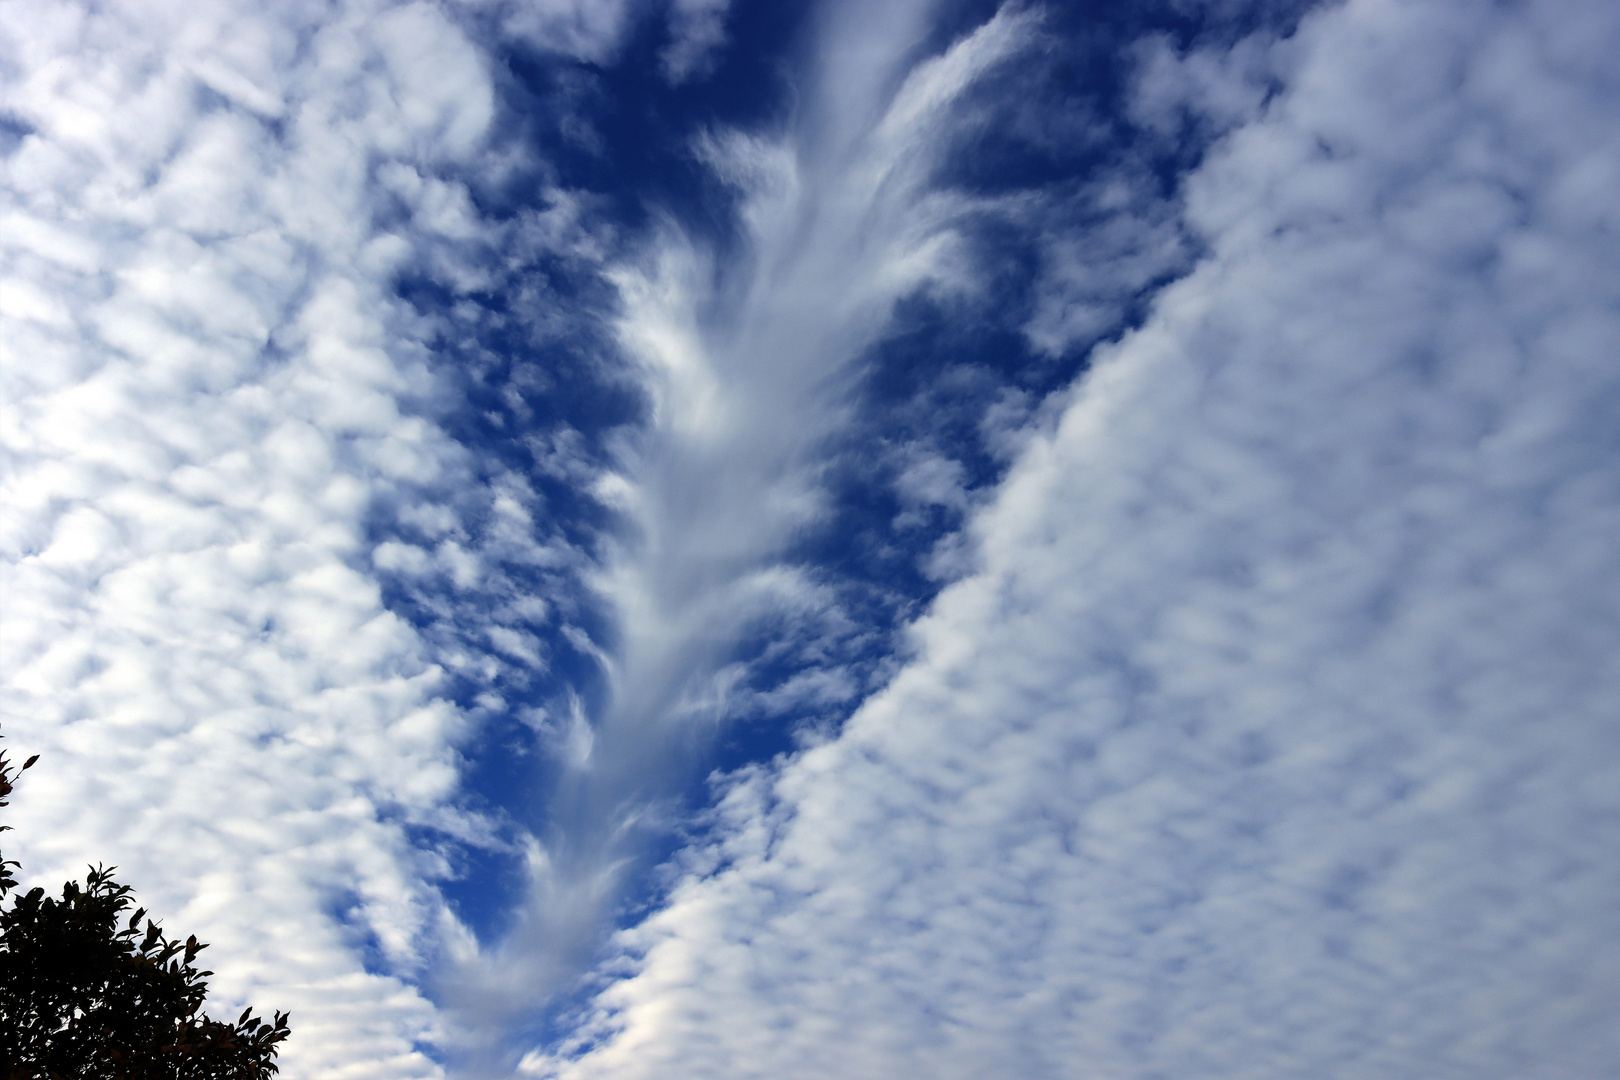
(751, 360)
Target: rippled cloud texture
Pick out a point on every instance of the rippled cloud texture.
(608, 540)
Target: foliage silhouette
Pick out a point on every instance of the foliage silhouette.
(87, 994)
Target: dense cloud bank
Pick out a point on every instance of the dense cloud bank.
(1274, 734)
(397, 528)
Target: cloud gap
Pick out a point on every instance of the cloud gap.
(702, 302)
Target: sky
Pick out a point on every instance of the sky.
(612, 539)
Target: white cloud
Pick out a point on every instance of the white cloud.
(1274, 736)
(697, 30)
(1214, 85)
(588, 30)
(1106, 248)
(209, 388)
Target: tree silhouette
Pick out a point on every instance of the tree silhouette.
(87, 994)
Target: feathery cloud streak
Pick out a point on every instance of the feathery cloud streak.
(752, 358)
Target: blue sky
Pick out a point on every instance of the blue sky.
(625, 538)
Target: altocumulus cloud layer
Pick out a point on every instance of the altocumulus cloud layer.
(208, 398)
(1142, 557)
